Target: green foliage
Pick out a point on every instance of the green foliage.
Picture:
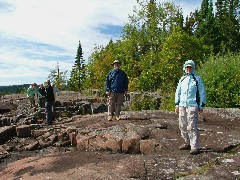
(143, 102)
(58, 78)
(99, 65)
(143, 39)
(206, 29)
(78, 72)
(219, 29)
(221, 77)
(167, 102)
(205, 167)
(13, 89)
(177, 48)
(21, 90)
(149, 81)
(65, 114)
(155, 44)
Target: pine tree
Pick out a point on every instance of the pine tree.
(78, 71)
(219, 30)
(79, 57)
(227, 24)
(206, 28)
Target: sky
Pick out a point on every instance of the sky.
(36, 36)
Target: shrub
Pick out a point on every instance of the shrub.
(144, 102)
(221, 76)
(167, 102)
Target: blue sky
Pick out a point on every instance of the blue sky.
(36, 35)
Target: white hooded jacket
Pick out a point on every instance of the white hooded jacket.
(186, 92)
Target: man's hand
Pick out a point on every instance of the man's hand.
(177, 110)
(107, 93)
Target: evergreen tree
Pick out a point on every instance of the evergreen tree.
(227, 24)
(79, 62)
(78, 71)
(206, 28)
(205, 8)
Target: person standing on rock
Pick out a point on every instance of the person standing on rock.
(190, 99)
(42, 91)
(49, 103)
(56, 93)
(116, 88)
(31, 91)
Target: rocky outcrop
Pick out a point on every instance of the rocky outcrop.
(7, 132)
(146, 142)
(129, 138)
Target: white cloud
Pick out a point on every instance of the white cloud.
(36, 34)
(63, 22)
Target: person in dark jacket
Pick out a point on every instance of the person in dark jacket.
(116, 88)
(41, 100)
(49, 102)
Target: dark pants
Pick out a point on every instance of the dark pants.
(48, 111)
(42, 102)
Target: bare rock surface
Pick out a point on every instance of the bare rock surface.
(83, 145)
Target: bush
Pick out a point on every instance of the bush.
(144, 102)
(221, 76)
(167, 102)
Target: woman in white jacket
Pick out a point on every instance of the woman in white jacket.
(190, 99)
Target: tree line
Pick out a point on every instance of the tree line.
(156, 42)
(14, 89)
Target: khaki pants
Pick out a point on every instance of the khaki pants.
(115, 102)
(188, 124)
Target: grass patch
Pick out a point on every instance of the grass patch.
(201, 170)
(209, 165)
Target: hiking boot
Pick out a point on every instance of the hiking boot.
(118, 118)
(195, 151)
(185, 147)
(110, 118)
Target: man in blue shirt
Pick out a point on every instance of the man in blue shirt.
(116, 89)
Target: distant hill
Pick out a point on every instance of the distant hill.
(13, 89)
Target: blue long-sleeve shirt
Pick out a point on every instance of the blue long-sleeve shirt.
(117, 81)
